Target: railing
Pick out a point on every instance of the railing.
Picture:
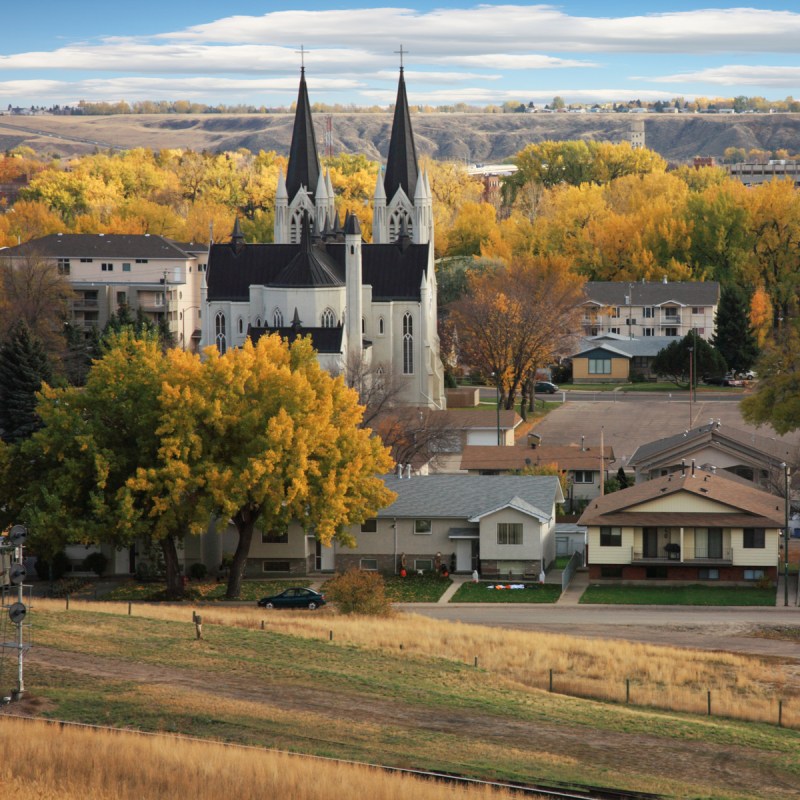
(84, 302)
(669, 319)
(688, 557)
(573, 564)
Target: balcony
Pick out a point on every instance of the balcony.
(83, 302)
(670, 319)
(674, 555)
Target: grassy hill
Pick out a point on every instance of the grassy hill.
(465, 137)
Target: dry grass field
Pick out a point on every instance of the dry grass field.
(83, 764)
(361, 697)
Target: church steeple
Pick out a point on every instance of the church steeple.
(401, 163)
(303, 170)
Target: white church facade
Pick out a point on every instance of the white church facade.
(369, 308)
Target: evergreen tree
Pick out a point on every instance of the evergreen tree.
(673, 361)
(23, 368)
(734, 337)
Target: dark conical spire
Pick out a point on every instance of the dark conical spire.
(237, 237)
(401, 163)
(303, 167)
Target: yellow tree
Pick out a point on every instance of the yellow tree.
(262, 435)
(761, 315)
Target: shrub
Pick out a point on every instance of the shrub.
(95, 562)
(198, 571)
(359, 592)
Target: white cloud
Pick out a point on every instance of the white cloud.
(738, 75)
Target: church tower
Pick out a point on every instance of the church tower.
(402, 196)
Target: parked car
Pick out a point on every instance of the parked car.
(545, 387)
(296, 597)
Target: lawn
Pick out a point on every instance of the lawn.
(416, 589)
(135, 592)
(481, 593)
(695, 595)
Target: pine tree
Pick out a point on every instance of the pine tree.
(734, 337)
(23, 368)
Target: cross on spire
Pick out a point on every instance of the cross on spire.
(401, 52)
(302, 52)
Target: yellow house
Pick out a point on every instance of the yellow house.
(689, 526)
(612, 358)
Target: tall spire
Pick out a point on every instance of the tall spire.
(401, 163)
(303, 167)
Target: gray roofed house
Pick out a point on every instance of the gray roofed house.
(613, 358)
(650, 308)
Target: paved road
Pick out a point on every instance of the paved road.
(724, 628)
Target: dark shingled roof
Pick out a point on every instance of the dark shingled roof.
(311, 266)
(325, 340)
(401, 163)
(98, 245)
(303, 169)
(653, 293)
(392, 273)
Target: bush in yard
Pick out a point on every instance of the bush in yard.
(198, 571)
(359, 592)
(95, 562)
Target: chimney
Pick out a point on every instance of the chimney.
(408, 471)
(400, 471)
(583, 449)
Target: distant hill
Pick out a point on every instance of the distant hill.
(464, 137)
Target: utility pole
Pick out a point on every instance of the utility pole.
(786, 503)
(11, 549)
(691, 358)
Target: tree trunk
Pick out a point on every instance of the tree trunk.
(245, 523)
(523, 402)
(175, 590)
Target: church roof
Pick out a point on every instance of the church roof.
(303, 169)
(325, 340)
(394, 274)
(401, 163)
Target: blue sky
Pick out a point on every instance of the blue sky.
(243, 51)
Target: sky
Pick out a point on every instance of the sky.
(243, 51)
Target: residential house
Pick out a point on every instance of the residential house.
(650, 308)
(755, 458)
(147, 273)
(686, 526)
(583, 466)
(612, 358)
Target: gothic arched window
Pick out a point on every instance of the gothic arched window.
(380, 326)
(277, 318)
(408, 344)
(395, 224)
(328, 319)
(240, 325)
(219, 328)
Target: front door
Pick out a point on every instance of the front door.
(650, 536)
(323, 557)
(464, 555)
(715, 542)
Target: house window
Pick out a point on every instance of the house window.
(106, 267)
(615, 330)
(277, 319)
(614, 312)
(599, 366)
(63, 266)
(708, 574)
(275, 537)
(272, 565)
(509, 533)
(368, 564)
(649, 332)
(422, 526)
(369, 525)
(380, 326)
(610, 537)
(753, 574)
(754, 538)
(122, 299)
(142, 260)
(126, 267)
(240, 325)
(408, 344)
(328, 319)
(423, 564)
(649, 312)
(698, 310)
(583, 476)
(670, 331)
(86, 260)
(219, 327)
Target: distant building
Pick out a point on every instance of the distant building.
(752, 174)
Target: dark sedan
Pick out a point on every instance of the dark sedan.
(296, 597)
(545, 387)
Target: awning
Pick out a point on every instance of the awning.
(464, 533)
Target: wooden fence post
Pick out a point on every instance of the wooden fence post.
(627, 690)
(198, 625)
(551, 680)
(709, 702)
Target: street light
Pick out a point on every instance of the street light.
(497, 387)
(786, 504)
(691, 359)
(183, 323)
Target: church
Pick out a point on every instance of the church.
(369, 308)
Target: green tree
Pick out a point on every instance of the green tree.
(734, 338)
(776, 400)
(673, 361)
(24, 366)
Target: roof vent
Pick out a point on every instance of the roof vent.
(704, 489)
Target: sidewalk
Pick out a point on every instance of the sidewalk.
(577, 586)
(458, 581)
(794, 591)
